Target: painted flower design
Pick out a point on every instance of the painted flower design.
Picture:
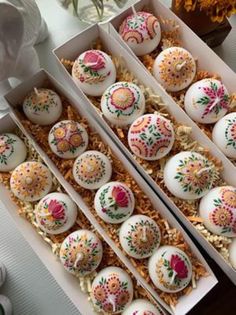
(195, 174)
(100, 293)
(3, 146)
(52, 214)
(114, 200)
(6, 148)
(168, 64)
(215, 99)
(113, 285)
(122, 98)
(230, 133)
(87, 248)
(56, 209)
(91, 67)
(122, 298)
(31, 179)
(229, 198)
(178, 265)
(111, 294)
(143, 27)
(143, 238)
(68, 137)
(94, 60)
(221, 216)
(42, 101)
(120, 196)
(90, 169)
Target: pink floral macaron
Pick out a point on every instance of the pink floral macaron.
(114, 202)
(170, 269)
(56, 213)
(93, 72)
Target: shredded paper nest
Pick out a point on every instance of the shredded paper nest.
(26, 210)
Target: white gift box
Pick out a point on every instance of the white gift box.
(15, 98)
(83, 41)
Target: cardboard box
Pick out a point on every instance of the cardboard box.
(204, 285)
(74, 47)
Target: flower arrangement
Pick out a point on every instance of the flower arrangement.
(99, 5)
(217, 10)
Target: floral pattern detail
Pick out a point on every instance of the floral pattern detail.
(215, 99)
(224, 212)
(190, 174)
(135, 240)
(6, 148)
(68, 136)
(90, 67)
(139, 28)
(230, 132)
(221, 216)
(88, 246)
(177, 270)
(111, 288)
(167, 67)
(52, 214)
(42, 101)
(31, 180)
(113, 198)
(90, 168)
(151, 136)
(122, 99)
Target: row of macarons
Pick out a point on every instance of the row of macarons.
(81, 251)
(150, 136)
(187, 175)
(206, 101)
(56, 213)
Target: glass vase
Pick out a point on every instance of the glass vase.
(93, 11)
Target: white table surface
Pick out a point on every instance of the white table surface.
(29, 285)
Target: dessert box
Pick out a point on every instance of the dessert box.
(66, 281)
(15, 98)
(44, 246)
(209, 64)
(70, 51)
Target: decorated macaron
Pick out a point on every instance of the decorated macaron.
(232, 253)
(189, 175)
(81, 252)
(142, 32)
(42, 106)
(122, 103)
(170, 269)
(31, 181)
(151, 137)
(206, 101)
(12, 152)
(93, 72)
(112, 290)
(140, 236)
(56, 213)
(141, 307)
(68, 139)
(92, 169)
(174, 68)
(224, 135)
(218, 211)
(114, 202)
